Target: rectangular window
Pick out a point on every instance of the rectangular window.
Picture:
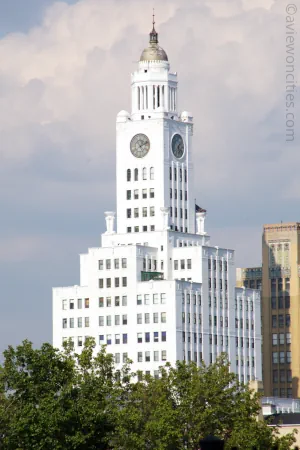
(140, 338)
(164, 355)
(182, 264)
(108, 264)
(117, 263)
(156, 355)
(108, 339)
(288, 357)
(281, 357)
(136, 194)
(124, 281)
(101, 339)
(100, 264)
(124, 300)
(144, 193)
(139, 318)
(163, 336)
(140, 356)
(125, 357)
(108, 321)
(280, 321)
(163, 298)
(155, 336)
(147, 299)
(124, 263)
(117, 358)
(101, 302)
(117, 301)
(100, 283)
(128, 213)
(275, 357)
(274, 321)
(117, 282)
(144, 211)
(175, 264)
(136, 212)
(65, 323)
(124, 338)
(139, 299)
(282, 376)
(117, 320)
(275, 376)
(71, 304)
(147, 317)
(152, 193)
(281, 338)
(86, 322)
(152, 211)
(124, 319)
(288, 338)
(101, 321)
(147, 337)
(189, 263)
(79, 322)
(163, 317)
(155, 317)
(128, 195)
(79, 341)
(155, 299)
(65, 304)
(108, 301)
(287, 320)
(274, 339)
(289, 376)
(108, 282)
(117, 338)
(147, 356)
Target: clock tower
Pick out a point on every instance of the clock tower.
(154, 151)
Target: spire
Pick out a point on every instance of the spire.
(153, 34)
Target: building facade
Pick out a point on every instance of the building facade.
(281, 309)
(249, 277)
(157, 290)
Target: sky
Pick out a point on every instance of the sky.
(65, 74)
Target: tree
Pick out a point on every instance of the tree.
(54, 399)
(188, 403)
(51, 399)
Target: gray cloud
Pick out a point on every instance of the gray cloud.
(61, 86)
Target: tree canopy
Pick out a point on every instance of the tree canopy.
(52, 399)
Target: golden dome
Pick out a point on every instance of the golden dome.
(154, 53)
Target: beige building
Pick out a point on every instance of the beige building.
(249, 277)
(281, 309)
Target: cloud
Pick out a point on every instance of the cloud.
(63, 81)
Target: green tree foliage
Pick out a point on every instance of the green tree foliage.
(51, 399)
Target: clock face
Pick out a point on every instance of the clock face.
(177, 146)
(140, 145)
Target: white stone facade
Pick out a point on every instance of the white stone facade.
(156, 290)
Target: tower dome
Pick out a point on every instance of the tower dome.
(153, 52)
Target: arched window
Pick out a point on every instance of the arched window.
(128, 175)
(136, 174)
(151, 173)
(144, 173)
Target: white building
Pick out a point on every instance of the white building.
(156, 290)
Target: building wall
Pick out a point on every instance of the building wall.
(281, 310)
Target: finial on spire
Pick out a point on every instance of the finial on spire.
(153, 34)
